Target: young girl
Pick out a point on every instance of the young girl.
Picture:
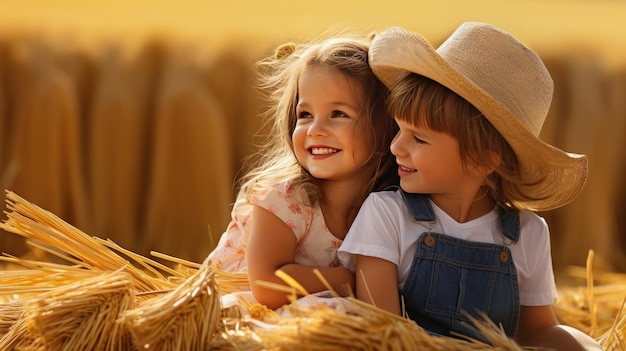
(460, 236)
(329, 148)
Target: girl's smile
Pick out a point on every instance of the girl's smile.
(326, 138)
(323, 150)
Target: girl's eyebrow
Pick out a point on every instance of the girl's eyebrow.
(346, 104)
(336, 104)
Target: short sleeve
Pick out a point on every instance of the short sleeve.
(375, 231)
(282, 201)
(534, 262)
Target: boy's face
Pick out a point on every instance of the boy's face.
(429, 162)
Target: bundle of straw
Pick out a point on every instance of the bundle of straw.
(230, 282)
(362, 327)
(38, 277)
(596, 309)
(19, 338)
(82, 315)
(72, 245)
(237, 340)
(615, 338)
(186, 318)
(183, 173)
(10, 313)
(44, 138)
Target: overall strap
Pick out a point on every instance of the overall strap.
(509, 223)
(421, 210)
(419, 206)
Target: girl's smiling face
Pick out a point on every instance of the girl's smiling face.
(326, 138)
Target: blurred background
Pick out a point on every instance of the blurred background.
(131, 119)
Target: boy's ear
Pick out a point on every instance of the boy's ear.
(486, 169)
(494, 162)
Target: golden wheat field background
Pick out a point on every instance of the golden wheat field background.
(130, 121)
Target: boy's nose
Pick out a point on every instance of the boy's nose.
(396, 145)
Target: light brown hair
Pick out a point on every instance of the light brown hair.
(279, 75)
(425, 103)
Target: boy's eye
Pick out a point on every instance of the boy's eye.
(418, 140)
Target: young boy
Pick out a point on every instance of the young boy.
(460, 237)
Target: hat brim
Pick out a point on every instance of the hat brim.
(552, 176)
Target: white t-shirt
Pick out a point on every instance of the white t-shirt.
(384, 228)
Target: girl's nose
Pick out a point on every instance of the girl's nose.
(318, 127)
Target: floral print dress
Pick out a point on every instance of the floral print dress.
(316, 245)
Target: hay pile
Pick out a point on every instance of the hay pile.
(108, 298)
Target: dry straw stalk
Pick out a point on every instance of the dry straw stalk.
(176, 309)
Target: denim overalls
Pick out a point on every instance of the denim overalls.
(450, 277)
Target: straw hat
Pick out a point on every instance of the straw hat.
(507, 82)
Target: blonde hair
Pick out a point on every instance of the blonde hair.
(279, 75)
(425, 103)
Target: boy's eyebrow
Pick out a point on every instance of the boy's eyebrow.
(409, 126)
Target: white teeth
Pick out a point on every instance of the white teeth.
(407, 169)
(323, 151)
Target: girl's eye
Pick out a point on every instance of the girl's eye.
(304, 114)
(338, 113)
